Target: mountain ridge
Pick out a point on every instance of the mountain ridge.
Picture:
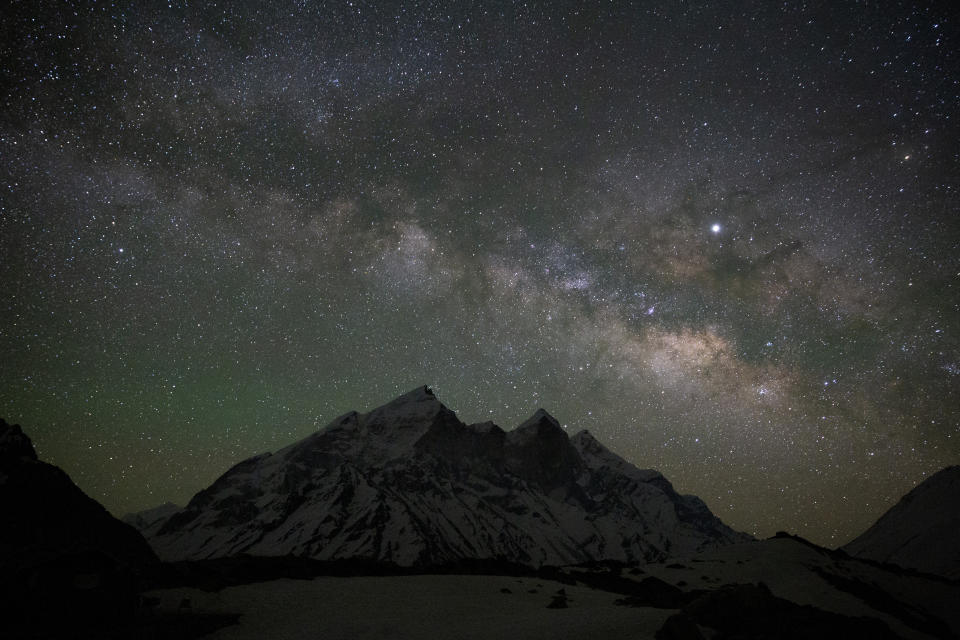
(66, 564)
(409, 483)
(919, 532)
(48, 516)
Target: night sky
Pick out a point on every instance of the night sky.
(721, 236)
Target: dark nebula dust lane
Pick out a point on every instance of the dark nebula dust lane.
(724, 240)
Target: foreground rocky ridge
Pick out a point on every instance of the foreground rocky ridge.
(46, 516)
(65, 562)
(410, 484)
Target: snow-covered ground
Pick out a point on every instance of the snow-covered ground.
(415, 607)
(800, 573)
(913, 606)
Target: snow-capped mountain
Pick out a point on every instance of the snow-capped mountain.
(920, 531)
(409, 483)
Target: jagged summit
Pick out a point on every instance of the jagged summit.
(418, 401)
(409, 483)
(540, 417)
(413, 408)
(388, 432)
(14, 443)
(539, 424)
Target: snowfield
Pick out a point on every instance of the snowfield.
(608, 550)
(418, 607)
(795, 584)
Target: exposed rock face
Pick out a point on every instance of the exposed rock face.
(409, 483)
(921, 531)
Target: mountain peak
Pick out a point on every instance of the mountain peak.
(541, 425)
(540, 418)
(421, 393)
(409, 483)
(388, 432)
(417, 403)
(46, 517)
(14, 443)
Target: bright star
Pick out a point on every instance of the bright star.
(715, 228)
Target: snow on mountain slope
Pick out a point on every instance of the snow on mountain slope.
(912, 605)
(423, 607)
(149, 521)
(409, 483)
(921, 531)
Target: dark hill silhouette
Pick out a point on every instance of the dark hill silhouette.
(64, 560)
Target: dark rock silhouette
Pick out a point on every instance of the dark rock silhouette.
(751, 612)
(60, 550)
(653, 592)
(920, 531)
(559, 600)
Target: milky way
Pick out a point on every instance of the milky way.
(723, 240)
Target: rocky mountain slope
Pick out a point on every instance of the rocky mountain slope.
(67, 567)
(921, 531)
(45, 515)
(409, 483)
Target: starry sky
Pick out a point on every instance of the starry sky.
(721, 236)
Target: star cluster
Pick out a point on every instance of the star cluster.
(722, 239)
